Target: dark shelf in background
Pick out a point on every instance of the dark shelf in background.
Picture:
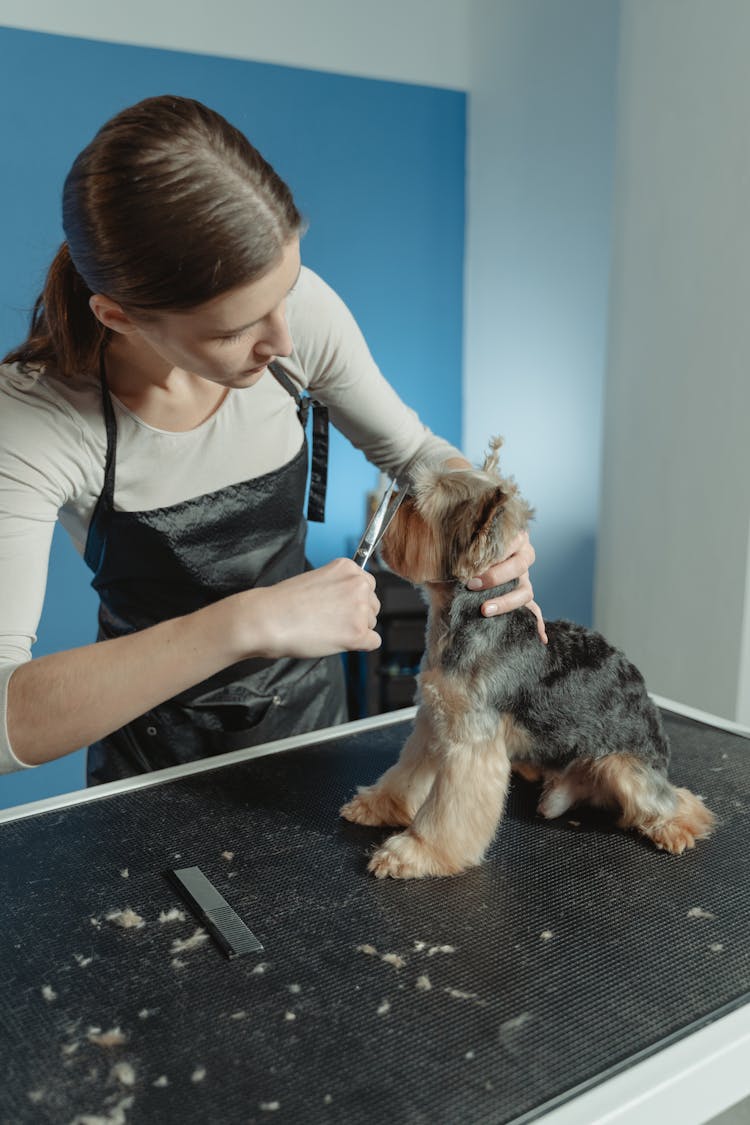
(385, 680)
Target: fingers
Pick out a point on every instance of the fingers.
(362, 605)
(522, 596)
(519, 559)
(355, 588)
(371, 639)
(540, 626)
(516, 599)
(369, 643)
(331, 609)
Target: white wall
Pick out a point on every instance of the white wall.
(742, 710)
(541, 152)
(423, 41)
(673, 576)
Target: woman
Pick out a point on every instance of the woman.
(146, 411)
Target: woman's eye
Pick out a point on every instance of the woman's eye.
(232, 339)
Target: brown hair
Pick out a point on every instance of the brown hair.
(168, 206)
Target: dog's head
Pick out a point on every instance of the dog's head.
(454, 525)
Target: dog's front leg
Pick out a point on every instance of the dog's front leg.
(455, 825)
(396, 796)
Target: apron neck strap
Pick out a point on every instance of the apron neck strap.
(316, 499)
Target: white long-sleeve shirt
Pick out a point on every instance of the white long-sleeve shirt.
(53, 446)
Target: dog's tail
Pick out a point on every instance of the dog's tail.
(648, 802)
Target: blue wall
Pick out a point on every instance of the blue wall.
(377, 167)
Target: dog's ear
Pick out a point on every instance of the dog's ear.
(498, 516)
(482, 538)
(487, 529)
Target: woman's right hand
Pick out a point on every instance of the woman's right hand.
(331, 609)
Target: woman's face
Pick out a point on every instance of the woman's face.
(230, 339)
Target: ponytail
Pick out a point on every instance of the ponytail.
(64, 331)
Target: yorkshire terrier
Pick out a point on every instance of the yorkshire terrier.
(492, 697)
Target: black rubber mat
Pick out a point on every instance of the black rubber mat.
(573, 950)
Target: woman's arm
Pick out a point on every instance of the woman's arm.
(59, 703)
(55, 704)
(332, 358)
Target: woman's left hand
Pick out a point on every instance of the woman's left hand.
(516, 564)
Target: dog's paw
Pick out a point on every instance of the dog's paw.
(407, 856)
(373, 807)
(692, 821)
(672, 838)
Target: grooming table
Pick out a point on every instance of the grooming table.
(578, 975)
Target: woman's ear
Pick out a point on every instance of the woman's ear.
(110, 314)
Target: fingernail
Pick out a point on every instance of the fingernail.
(474, 584)
(490, 609)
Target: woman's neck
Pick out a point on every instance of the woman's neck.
(162, 396)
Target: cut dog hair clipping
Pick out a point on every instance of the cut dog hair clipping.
(212, 909)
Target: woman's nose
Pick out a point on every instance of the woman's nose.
(275, 339)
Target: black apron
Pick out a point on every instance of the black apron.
(154, 565)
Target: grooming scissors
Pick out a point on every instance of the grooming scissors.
(384, 513)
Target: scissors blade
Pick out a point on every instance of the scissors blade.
(384, 513)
